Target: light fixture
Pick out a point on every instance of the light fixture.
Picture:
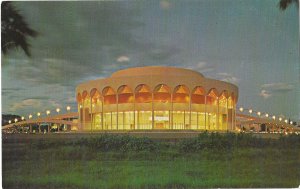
(68, 108)
(57, 110)
(267, 115)
(258, 113)
(38, 114)
(22, 118)
(250, 111)
(291, 122)
(286, 121)
(16, 120)
(48, 112)
(9, 121)
(241, 109)
(280, 119)
(30, 116)
(274, 117)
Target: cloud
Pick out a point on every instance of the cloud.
(265, 94)
(278, 87)
(228, 78)
(123, 59)
(27, 103)
(202, 67)
(165, 5)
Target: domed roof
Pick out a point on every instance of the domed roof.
(156, 70)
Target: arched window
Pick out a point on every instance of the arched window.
(181, 94)
(96, 96)
(79, 98)
(143, 94)
(223, 99)
(109, 96)
(125, 95)
(212, 96)
(162, 93)
(198, 95)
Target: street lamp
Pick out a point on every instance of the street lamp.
(291, 122)
(280, 119)
(274, 117)
(241, 109)
(258, 113)
(39, 114)
(250, 111)
(286, 121)
(16, 120)
(57, 110)
(9, 121)
(22, 118)
(48, 112)
(267, 115)
(30, 116)
(68, 108)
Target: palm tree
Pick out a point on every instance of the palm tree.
(14, 30)
(283, 4)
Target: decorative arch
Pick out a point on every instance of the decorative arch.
(79, 98)
(109, 95)
(95, 95)
(181, 94)
(162, 93)
(125, 95)
(198, 95)
(143, 94)
(84, 95)
(212, 97)
(223, 99)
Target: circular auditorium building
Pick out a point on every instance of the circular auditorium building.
(151, 98)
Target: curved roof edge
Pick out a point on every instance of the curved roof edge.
(156, 70)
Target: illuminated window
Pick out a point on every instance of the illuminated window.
(198, 95)
(143, 94)
(109, 96)
(162, 94)
(125, 95)
(181, 94)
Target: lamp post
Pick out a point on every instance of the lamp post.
(241, 109)
(30, 126)
(39, 114)
(9, 121)
(48, 112)
(69, 119)
(22, 118)
(250, 111)
(58, 110)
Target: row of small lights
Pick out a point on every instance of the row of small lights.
(241, 109)
(39, 114)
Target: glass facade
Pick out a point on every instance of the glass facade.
(160, 109)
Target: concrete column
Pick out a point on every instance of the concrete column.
(171, 114)
(152, 110)
(133, 110)
(91, 109)
(205, 114)
(190, 110)
(117, 97)
(218, 116)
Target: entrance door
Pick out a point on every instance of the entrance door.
(159, 125)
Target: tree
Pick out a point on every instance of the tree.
(14, 30)
(283, 4)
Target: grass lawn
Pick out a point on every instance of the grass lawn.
(77, 166)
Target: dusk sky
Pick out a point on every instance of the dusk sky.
(250, 43)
